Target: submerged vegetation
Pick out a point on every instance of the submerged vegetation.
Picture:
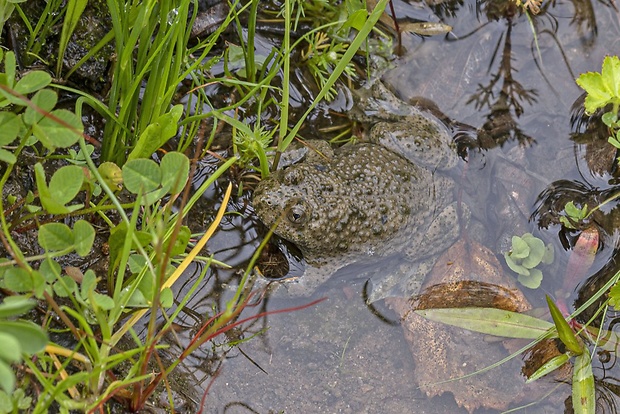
(102, 234)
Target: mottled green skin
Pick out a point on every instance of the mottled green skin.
(376, 198)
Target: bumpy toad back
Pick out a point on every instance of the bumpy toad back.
(366, 199)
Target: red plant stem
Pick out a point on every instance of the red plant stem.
(200, 339)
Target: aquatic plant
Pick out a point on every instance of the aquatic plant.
(526, 253)
(508, 324)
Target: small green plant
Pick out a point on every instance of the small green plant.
(34, 122)
(321, 56)
(528, 252)
(573, 215)
(603, 89)
(17, 402)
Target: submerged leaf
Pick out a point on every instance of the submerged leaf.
(426, 28)
(514, 266)
(533, 280)
(520, 249)
(583, 385)
(537, 251)
(581, 258)
(490, 321)
(548, 367)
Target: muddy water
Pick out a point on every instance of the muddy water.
(339, 355)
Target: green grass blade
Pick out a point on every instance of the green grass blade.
(373, 18)
(75, 8)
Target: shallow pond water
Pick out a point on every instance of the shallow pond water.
(341, 355)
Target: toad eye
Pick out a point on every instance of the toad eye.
(298, 213)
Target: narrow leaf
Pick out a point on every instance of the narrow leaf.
(74, 10)
(157, 134)
(549, 366)
(566, 334)
(490, 321)
(583, 385)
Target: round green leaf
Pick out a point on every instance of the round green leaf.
(102, 301)
(520, 249)
(537, 251)
(549, 254)
(6, 404)
(45, 100)
(517, 268)
(33, 81)
(50, 270)
(65, 287)
(141, 175)
(533, 280)
(66, 183)
(83, 237)
(18, 280)
(7, 156)
(55, 236)
(166, 298)
(54, 134)
(89, 284)
(174, 170)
